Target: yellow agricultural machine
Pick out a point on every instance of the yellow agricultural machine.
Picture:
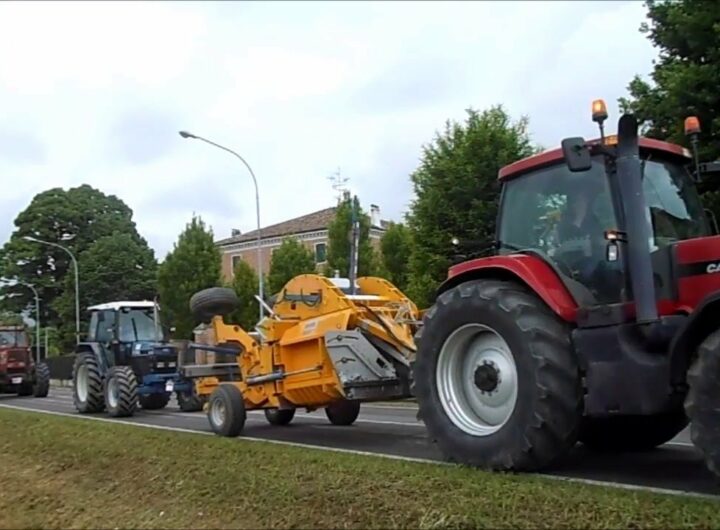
(321, 345)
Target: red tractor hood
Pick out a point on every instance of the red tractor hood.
(698, 270)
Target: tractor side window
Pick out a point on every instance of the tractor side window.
(562, 217)
(674, 206)
(103, 330)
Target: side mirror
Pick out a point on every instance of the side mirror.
(576, 153)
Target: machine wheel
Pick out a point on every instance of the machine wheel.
(496, 378)
(343, 412)
(279, 416)
(208, 303)
(154, 401)
(703, 401)
(226, 410)
(631, 433)
(190, 402)
(41, 388)
(87, 384)
(121, 395)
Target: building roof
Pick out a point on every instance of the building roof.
(305, 223)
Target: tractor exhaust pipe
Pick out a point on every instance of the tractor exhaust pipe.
(637, 226)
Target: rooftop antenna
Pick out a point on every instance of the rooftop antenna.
(338, 184)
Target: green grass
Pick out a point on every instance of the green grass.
(70, 473)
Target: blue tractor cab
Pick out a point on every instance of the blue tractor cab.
(126, 361)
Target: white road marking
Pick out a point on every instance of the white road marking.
(591, 482)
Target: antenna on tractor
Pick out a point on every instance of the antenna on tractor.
(692, 131)
(599, 115)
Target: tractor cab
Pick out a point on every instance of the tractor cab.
(578, 207)
(130, 333)
(572, 219)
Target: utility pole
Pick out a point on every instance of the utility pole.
(354, 244)
(338, 184)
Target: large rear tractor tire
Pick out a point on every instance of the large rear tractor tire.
(41, 386)
(87, 384)
(121, 392)
(279, 416)
(226, 410)
(631, 433)
(702, 404)
(208, 303)
(343, 412)
(155, 401)
(189, 402)
(496, 378)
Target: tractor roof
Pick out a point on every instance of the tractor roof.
(553, 156)
(116, 306)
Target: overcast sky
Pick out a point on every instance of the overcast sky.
(96, 92)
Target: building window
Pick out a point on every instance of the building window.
(236, 259)
(320, 253)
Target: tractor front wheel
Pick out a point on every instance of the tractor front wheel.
(343, 412)
(279, 416)
(496, 379)
(87, 383)
(226, 410)
(41, 386)
(155, 401)
(121, 393)
(702, 404)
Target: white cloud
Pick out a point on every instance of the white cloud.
(95, 93)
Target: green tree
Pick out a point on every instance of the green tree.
(245, 284)
(192, 265)
(395, 248)
(10, 319)
(289, 260)
(74, 218)
(684, 80)
(339, 238)
(115, 267)
(457, 191)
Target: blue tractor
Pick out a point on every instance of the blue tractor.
(125, 361)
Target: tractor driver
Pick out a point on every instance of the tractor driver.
(579, 223)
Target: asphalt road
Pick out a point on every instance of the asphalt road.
(392, 429)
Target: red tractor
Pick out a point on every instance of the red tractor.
(596, 320)
(19, 373)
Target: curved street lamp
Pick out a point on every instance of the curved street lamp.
(77, 281)
(186, 134)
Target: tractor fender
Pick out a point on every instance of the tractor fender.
(97, 351)
(696, 328)
(533, 272)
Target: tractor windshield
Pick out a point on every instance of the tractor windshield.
(10, 338)
(135, 325)
(562, 217)
(674, 207)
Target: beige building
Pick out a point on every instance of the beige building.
(311, 230)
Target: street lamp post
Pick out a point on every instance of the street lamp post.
(77, 280)
(186, 134)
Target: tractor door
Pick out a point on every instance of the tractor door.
(561, 217)
(102, 332)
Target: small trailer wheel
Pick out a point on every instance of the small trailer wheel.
(226, 410)
(343, 412)
(279, 416)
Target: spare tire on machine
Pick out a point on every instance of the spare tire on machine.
(214, 301)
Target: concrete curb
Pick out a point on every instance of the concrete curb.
(60, 383)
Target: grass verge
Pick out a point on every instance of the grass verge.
(71, 473)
